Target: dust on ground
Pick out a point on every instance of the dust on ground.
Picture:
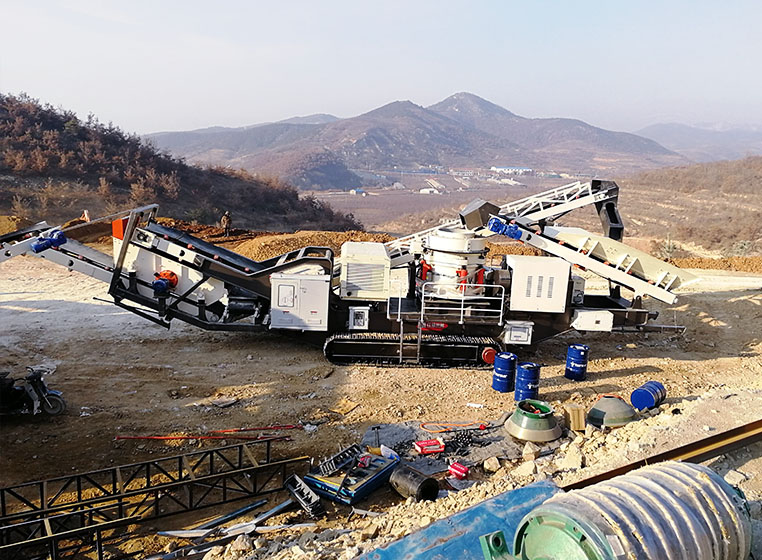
(123, 375)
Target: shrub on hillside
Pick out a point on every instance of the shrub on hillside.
(60, 160)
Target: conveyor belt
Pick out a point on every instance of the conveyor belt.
(204, 247)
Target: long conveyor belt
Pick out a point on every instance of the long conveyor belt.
(614, 261)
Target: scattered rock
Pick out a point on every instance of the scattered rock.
(531, 451)
(370, 531)
(306, 538)
(296, 551)
(239, 548)
(224, 402)
(526, 468)
(572, 460)
(734, 478)
(215, 553)
(491, 465)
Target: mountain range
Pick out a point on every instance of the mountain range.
(463, 130)
(704, 145)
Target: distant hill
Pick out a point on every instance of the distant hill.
(53, 165)
(551, 136)
(716, 205)
(703, 145)
(462, 130)
(318, 118)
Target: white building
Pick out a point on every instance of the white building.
(512, 170)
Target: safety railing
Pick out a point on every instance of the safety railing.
(458, 299)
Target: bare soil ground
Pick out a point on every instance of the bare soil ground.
(123, 375)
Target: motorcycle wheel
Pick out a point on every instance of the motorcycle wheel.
(54, 405)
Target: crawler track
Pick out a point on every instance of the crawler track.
(435, 350)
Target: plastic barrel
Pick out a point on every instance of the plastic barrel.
(505, 372)
(576, 362)
(527, 381)
(409, 482)
(649, 395)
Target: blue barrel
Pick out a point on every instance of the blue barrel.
(527, 381)
(649, 395)
(505, 372)
(576, 362)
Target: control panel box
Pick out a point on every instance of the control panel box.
(299, 301)
(518, 332)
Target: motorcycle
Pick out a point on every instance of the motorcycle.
(32, 396)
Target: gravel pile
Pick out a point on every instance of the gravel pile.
(738, 264)
(269, 246)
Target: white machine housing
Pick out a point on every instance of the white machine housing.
(365, 271)
(299, 301)
(538, 283)
(592, 320)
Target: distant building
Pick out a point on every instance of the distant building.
(429, 190)
(510, 170)
(463, 172)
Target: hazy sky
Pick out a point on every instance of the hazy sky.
(173, 65)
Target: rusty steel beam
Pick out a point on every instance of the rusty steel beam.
(695, 452)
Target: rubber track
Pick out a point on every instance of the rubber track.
(410, 339)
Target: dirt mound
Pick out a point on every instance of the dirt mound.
(213, 234)
(269, 246)
(737, 264)
(90, 232)
(9, 224)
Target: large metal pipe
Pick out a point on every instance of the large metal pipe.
(670, 510)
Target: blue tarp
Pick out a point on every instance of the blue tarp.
(457, 537)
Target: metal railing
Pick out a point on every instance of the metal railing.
(463, 304)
